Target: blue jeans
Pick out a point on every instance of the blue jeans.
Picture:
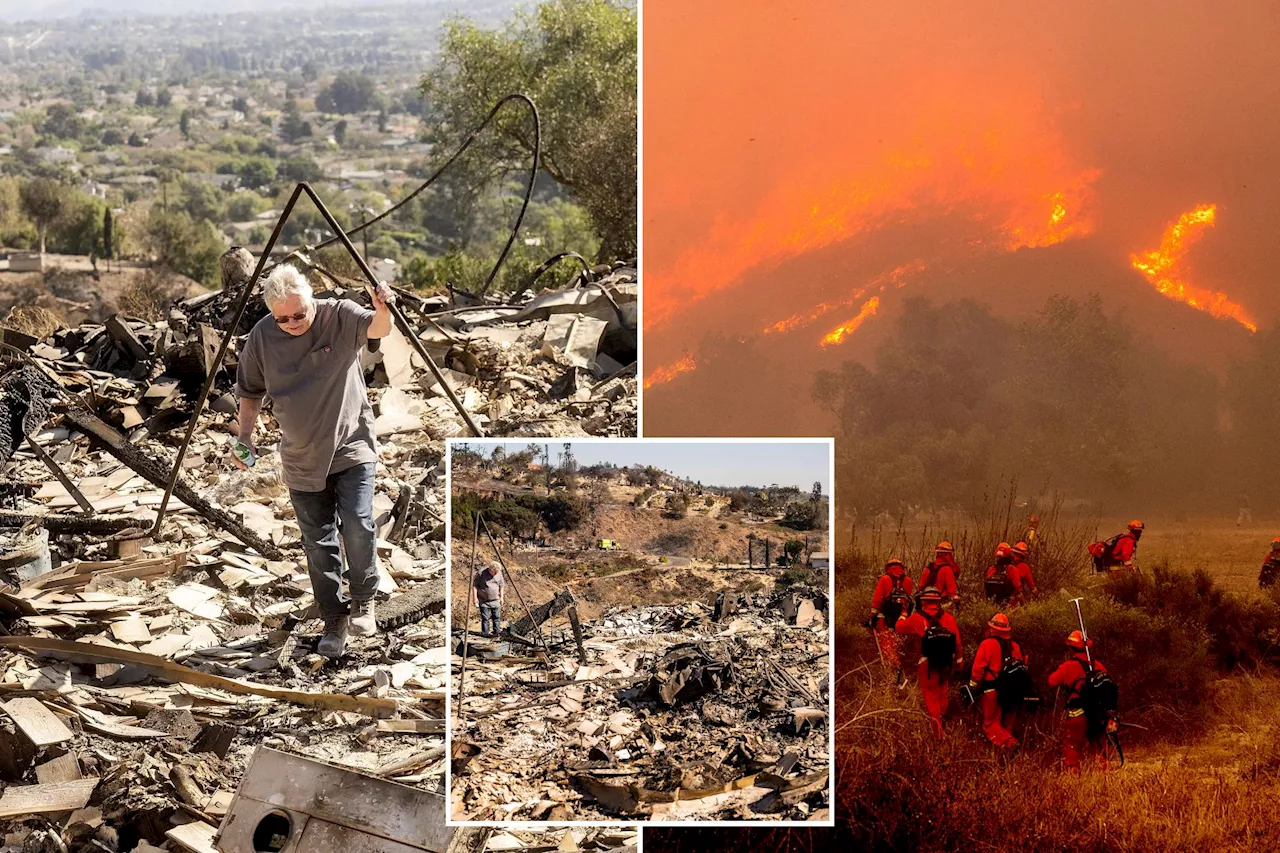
(344, 507)
(490, 618)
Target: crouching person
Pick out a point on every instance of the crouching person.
(940, 652)
(305, 356)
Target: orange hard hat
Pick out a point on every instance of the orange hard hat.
(1275, 544)
(1021, 549)
(1137, 525)
(1003, 549)
(944, 547)
(930, 593)
(1076, 640)
(1000, 624)
(894, 561)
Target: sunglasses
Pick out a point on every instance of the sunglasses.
(292, 318)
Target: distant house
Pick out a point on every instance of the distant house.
(820, 560)
(93, 188)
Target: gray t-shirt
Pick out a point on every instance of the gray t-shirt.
(489, 586)
(318, 391)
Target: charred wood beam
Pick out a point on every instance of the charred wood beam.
(94, 526)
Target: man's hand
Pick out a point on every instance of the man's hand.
(380, 326)
(382, 296)
(236, 459)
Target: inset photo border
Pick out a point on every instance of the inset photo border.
(640, 631)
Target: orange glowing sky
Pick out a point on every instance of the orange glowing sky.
(801, 159)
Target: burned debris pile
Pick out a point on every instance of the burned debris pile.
(140, 666)
(662, 713)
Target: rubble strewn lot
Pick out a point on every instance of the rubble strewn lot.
(678, 712)
(138, 673)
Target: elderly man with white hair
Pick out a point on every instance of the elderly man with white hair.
(306, 357)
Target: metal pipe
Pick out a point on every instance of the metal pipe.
(466, 619)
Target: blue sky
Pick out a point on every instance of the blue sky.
(713, 463)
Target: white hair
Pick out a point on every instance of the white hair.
(286, 281)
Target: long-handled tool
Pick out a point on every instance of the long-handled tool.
(1084, 635)
(1113, 725)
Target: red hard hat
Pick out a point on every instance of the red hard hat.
(1021, 549)
(1077, 641)
(1035, 519)
(1000, 624)
(1003, 549)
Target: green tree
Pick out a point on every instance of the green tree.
(577, 60)
(292, 125)
(256, 172)
(243, 206)
(184, 245)
(43, 201)
(78, 229)
(203, 201)
(144, 99)
(184, 123)
(350, 92)
(164, 98)
(299, 169)
(340, 132)
(63, 121)
(108, 234)
(112, 136)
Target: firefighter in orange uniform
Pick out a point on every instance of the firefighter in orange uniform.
(1118, 553)
(999, 667)
(1270, 566)
(940, 652)
(1024, 585)
(942, 573)
(1087, 718)
(889, 603)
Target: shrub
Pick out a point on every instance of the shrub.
(1241, 633)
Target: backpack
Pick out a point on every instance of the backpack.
(1267, 577)
(897, 604)
(1013, 682)
(938, 646)
(1099, 697)
(1104, 553)
(999, 587)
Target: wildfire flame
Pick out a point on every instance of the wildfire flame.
(668, 372)
(896, 276)
(1161, 267)
(1003, 169)
(839, 333)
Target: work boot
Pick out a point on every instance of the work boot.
(363, 622)
(334, 641)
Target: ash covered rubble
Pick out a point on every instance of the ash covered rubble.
(682, 712)
(147, 668)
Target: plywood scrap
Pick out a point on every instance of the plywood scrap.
(24, 800)
(40, 725)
